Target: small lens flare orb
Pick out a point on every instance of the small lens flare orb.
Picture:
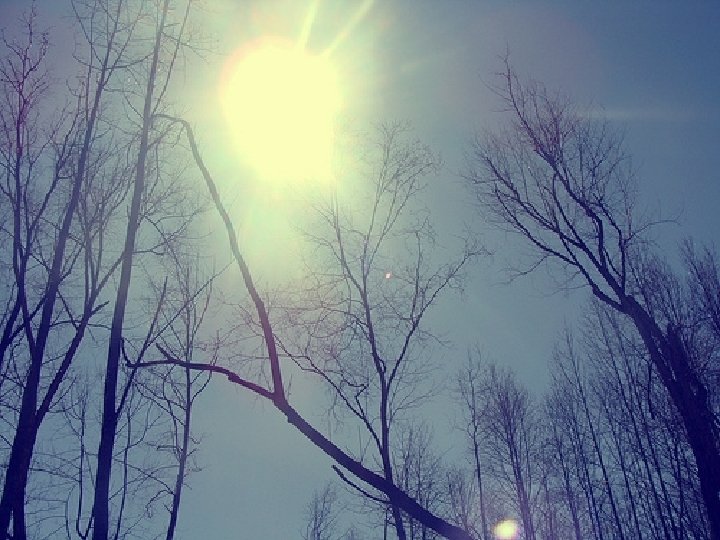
(506, 530)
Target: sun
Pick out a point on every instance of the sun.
(281, 104)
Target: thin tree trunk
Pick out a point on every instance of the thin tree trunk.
(386, 461)
(17, 472)
(623, 467)
(177, 492)
(101, 500)
(521, 491)
(566, 481)
(481, 495)
(601, 460)
(579, 450)
(633, 409)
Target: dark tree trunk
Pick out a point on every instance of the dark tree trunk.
(177, 492)
(101, 501)
(481, 494)
(689, 395)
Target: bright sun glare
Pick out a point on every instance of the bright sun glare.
(506, 530)
(281, 103)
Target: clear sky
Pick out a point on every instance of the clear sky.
(653, 67)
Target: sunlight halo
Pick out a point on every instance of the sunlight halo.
(281, 104)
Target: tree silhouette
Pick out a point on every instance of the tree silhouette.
(562, 181)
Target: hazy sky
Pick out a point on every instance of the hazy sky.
(652, 67)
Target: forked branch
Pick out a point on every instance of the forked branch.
(396, 496)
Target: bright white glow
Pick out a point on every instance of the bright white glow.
(281, 103)
(506, 530)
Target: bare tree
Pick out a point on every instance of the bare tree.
(322, 515)
(387, 367)
(373, 280)
(175, 389)
(41, 164)
(473, 405)
(567, 439)
(66, 186)
(158, 71)
(512, 438)
(463, 503)
(567, 367)
(562, 181)
(420, 473)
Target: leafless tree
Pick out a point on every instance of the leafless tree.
(322, 515)
(154, 71)
(386, 366)
(562, 181)
(47, 186)
(420, 472)
(64, 194)
(566, 441)
(512, 435)
(372, 281)
(567, 368)
(473, 406)
(155, 447)
(175, 389)
(463, 502)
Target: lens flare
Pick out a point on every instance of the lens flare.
(506, 530)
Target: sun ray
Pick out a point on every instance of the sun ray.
(356, 19)
(282, 100)
(308, 24)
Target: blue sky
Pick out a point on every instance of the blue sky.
(652, 67)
